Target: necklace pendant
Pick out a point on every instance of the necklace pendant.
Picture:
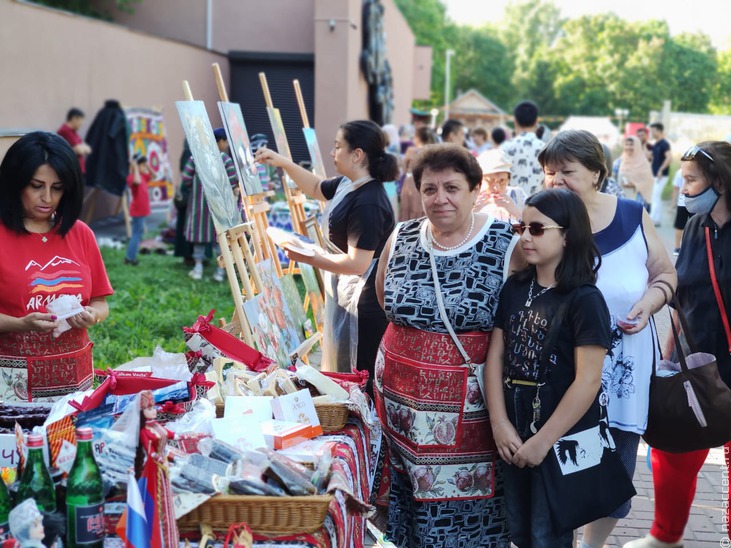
(528, 301)
(44, 239)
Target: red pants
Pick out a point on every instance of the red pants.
(674, 476)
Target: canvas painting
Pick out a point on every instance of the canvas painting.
(318, 166)
(267, 336)
(209, 164)
(294, 301)
(309, 277)
(273, 293)
(280, 137)
(238, 140)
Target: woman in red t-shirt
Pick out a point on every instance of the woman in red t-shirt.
(48, 253)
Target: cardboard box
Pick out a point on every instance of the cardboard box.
(297, 407)
(282, 434)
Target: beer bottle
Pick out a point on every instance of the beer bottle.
(36, 482)
(84, 496)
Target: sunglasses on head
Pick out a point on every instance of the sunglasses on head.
(691, 153)
(535, 229)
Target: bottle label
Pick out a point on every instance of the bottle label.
(89, 523)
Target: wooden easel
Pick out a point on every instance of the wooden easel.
(295, 197)
(256, 205)
(243, 328)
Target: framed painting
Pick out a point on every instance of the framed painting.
(318, 166)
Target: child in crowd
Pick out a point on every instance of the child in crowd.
(525, 428)
(139, 206)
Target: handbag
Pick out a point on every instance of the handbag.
(690, 409)
(583, 476)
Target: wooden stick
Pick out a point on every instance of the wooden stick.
(186, 91)
(265, 89)
(220, 83)
(235, 289)
(301, 103)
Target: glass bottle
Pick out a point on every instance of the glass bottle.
(36, 482)
(5, 506)
(84, 496)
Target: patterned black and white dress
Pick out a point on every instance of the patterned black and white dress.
(446, 481)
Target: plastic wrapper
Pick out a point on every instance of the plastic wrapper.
(199, 419)
(64, 306)
(295, 477)
(217, 449)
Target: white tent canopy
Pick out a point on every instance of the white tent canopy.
(601, 126)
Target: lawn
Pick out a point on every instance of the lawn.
(151, 304)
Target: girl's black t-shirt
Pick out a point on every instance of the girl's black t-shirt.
(363, 219)
(586, 323)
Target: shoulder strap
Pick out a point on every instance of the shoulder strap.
(553, 330)
(716, 289)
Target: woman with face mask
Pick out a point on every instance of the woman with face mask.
(706, 169)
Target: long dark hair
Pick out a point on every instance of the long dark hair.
(581, 259)
(22, 160)
(371, 139)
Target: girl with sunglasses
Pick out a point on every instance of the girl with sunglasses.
(635, 278)
(555, 236)
(706, 170)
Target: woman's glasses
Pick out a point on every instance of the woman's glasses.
(535, 229)
(690, 154)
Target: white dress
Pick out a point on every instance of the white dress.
(622, 279)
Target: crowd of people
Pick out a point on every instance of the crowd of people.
(512, 303)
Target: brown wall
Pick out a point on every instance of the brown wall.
(67, 60)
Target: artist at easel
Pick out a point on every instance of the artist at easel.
(357, 221)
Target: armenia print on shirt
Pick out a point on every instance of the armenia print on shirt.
(528, 330)
(47, 282)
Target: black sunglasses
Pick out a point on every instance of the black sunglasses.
(690, 154)
(535, 229)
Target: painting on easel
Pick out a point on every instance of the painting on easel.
(318, 166)
(238, 139)
(280, 137)
(209, 164)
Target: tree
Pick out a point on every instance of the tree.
(91, 8)
(721, 97)
(483, 62)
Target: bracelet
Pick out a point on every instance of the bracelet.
(664, 293)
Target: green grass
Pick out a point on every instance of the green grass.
(151, 304)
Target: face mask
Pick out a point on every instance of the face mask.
(702, 203)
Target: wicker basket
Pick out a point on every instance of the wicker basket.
(265, 515)
(333, 416)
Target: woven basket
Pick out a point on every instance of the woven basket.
(265, 515)
(333, 416)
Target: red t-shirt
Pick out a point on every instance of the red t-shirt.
(140, 205)
(34, 273)
(73, 139)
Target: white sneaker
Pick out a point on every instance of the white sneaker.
(219, 275)
(651, 542)
(196, 274)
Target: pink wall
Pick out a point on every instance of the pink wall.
(76, 61)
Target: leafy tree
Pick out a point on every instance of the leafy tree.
(99, 10)
(721, 97)
(483, 62)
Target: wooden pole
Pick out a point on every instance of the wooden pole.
(220, 83)
(187, 93)
(265, 89)
(301, 103)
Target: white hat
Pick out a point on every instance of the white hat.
(494, 160)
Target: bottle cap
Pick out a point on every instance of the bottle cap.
(35, 440)
(84, 433)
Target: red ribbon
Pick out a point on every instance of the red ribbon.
(199, 379)
(172, 408)
(201, 325)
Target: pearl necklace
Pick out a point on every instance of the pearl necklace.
(531, 297)
(433, 240)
